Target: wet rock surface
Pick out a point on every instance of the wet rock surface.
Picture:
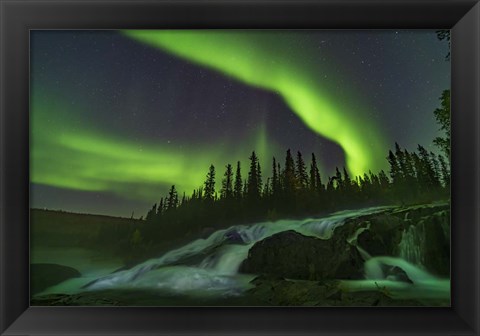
(294, 256)
(282, 292)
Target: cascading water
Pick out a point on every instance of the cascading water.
(420, 284)
(221, 255)
(412, 245)
(218, 259)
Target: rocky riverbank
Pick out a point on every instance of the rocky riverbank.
(298, 270)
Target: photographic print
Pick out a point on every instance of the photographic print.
(240, 168)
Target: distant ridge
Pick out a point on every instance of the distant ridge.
(63, 212)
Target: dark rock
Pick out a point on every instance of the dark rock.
(292, 255)
(43, 276)
(233, 237)
(82, 299)
(383, 235)
(282, 292)
(437, 243)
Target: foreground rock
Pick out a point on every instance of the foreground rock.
(282, 292)
(84, 299)
(418, 234)
(292, 255)
(47, 275)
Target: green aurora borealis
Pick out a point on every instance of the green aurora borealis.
(92, 161)
(233, 54)
(83, 144)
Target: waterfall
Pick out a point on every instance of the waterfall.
(412, 245)
(421, 284)
(221, 256)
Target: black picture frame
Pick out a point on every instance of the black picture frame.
(17, 17)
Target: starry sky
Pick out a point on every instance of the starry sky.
(117, 117)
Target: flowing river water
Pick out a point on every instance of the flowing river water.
(209, 267)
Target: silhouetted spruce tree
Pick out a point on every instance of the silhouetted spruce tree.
(366, 186)
(209, 191)
(409, 168)
(427, 173)
(382, 180)
(160, 207)
(445, 171)
(313, 173)
(238, 187)
(274, 181)
(395, 172)
(301, 171)
(442, 115)
(338, 179)
(436, 169)
(227, 183)
(259, 177)
(254, 183)
(401, 161)
(172, 199)
(151, 213)
(347, 180)
(266, 190)
(289, 179)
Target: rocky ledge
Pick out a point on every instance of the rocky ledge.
(418, 234)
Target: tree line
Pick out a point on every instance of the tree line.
(296, 188)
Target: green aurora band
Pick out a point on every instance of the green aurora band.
(264, 60)
(79, 157)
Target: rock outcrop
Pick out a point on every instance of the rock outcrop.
(419, 234)
(292, 255)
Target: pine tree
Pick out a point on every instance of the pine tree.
(436, 169)
(301, 171)
(238, 187)
(160, 207)
(313, 173)
(209, 192)
(151, 213)
(259, 177)
(347, 182)
(227, 183)
(338, 178)
(395, 173)
(444, 171)
(382, 180)
(274, 178)
(289, 180)
(172, 199)
(401, 161)
(427, 174)
(254, 184)
(442, 115)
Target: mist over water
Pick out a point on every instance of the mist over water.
(209, 267)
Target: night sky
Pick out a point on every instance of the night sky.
(119, 117)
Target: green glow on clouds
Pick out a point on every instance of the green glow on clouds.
(255, 59)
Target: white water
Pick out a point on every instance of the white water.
(221, 254)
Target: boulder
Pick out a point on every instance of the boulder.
(43, 276)
(292, 255)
